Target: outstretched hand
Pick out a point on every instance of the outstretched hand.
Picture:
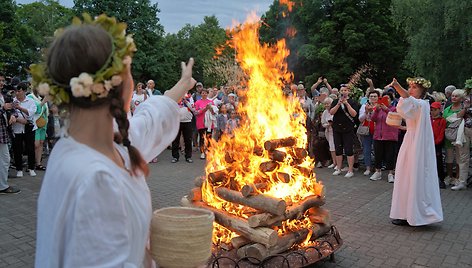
(186, 78)
(185, 83)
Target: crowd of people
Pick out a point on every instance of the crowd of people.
(28, 124)
(360, 130)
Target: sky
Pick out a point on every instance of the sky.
(176, 13)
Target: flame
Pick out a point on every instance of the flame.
(288, 3)
(291, 32)
(266, 114)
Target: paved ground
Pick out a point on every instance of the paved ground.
(360, 210)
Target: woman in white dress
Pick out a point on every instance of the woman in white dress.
(94, 208)
(416, 200)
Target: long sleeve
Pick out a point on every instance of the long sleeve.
(362, 114)
(409, 108)
(154, 125)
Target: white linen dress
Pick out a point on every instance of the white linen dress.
(416, 195)
(91, 212)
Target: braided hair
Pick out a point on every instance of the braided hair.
(86, 48)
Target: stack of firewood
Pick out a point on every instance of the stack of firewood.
(258, 231)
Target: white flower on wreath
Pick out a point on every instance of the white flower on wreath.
(43, 89)
(86, 79)
(78, 90)
(116, 80)
(107, 84)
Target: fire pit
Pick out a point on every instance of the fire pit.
(259, 182)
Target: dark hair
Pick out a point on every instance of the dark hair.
(23, 86)
(2, 74)
(374, 92)
(86, 48)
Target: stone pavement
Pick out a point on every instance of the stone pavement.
(359, 208)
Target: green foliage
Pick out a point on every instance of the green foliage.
(440, 38)
(336, 37)
(149, 62)
(198, 42)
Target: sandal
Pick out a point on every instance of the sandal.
(40, 167)
(10, 190)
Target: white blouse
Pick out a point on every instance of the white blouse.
(91, 212)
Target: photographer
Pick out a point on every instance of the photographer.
(23, 130)
(4, 140)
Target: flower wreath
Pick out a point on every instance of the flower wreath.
(420, 81)
(88, 85)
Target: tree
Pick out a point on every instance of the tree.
(440, 38)
(143, 23)
(199, 42)
(337, 37)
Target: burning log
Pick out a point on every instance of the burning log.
(262, 202)
(293, 212)
(265, 236)
(239, 241)
(195, 194)
(258, 150)
(278, 156)
(305, 171)
(229, 158)
(268, 166)
(282, 176)
(277, 143)
(319, 215)
(218, 176)
(285, 242)
(299, 153)
(251, 189)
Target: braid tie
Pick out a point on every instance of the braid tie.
(126, 142)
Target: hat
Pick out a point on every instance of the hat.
(300, 87)
(232, 95)
(199, 84)
(436, 105)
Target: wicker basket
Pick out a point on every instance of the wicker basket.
(181, 237)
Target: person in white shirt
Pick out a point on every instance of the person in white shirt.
(24, 130)
(94, 208)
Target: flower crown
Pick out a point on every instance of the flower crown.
(87, 85)
(420, 81)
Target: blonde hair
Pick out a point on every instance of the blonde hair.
(459, 92)
(328, 100)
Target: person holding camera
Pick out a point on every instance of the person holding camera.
(23, 130)
(5, 136)
(344, 111)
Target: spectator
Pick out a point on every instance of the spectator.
(451, 115)
(42, 111)
(439, 126)
(5, 134)
(448, 92)
(232, 124)
(463, 147)
(201, 107)
(186, 109)
(344, 111)
(151, 90)
(365, 118)
(139, 96)
(24, 130)
(385, 139)
(327, 122)
(221, 120)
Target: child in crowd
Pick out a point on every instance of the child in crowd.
(327, 121)
(439, 127)
(221, 120)
(233, 123)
